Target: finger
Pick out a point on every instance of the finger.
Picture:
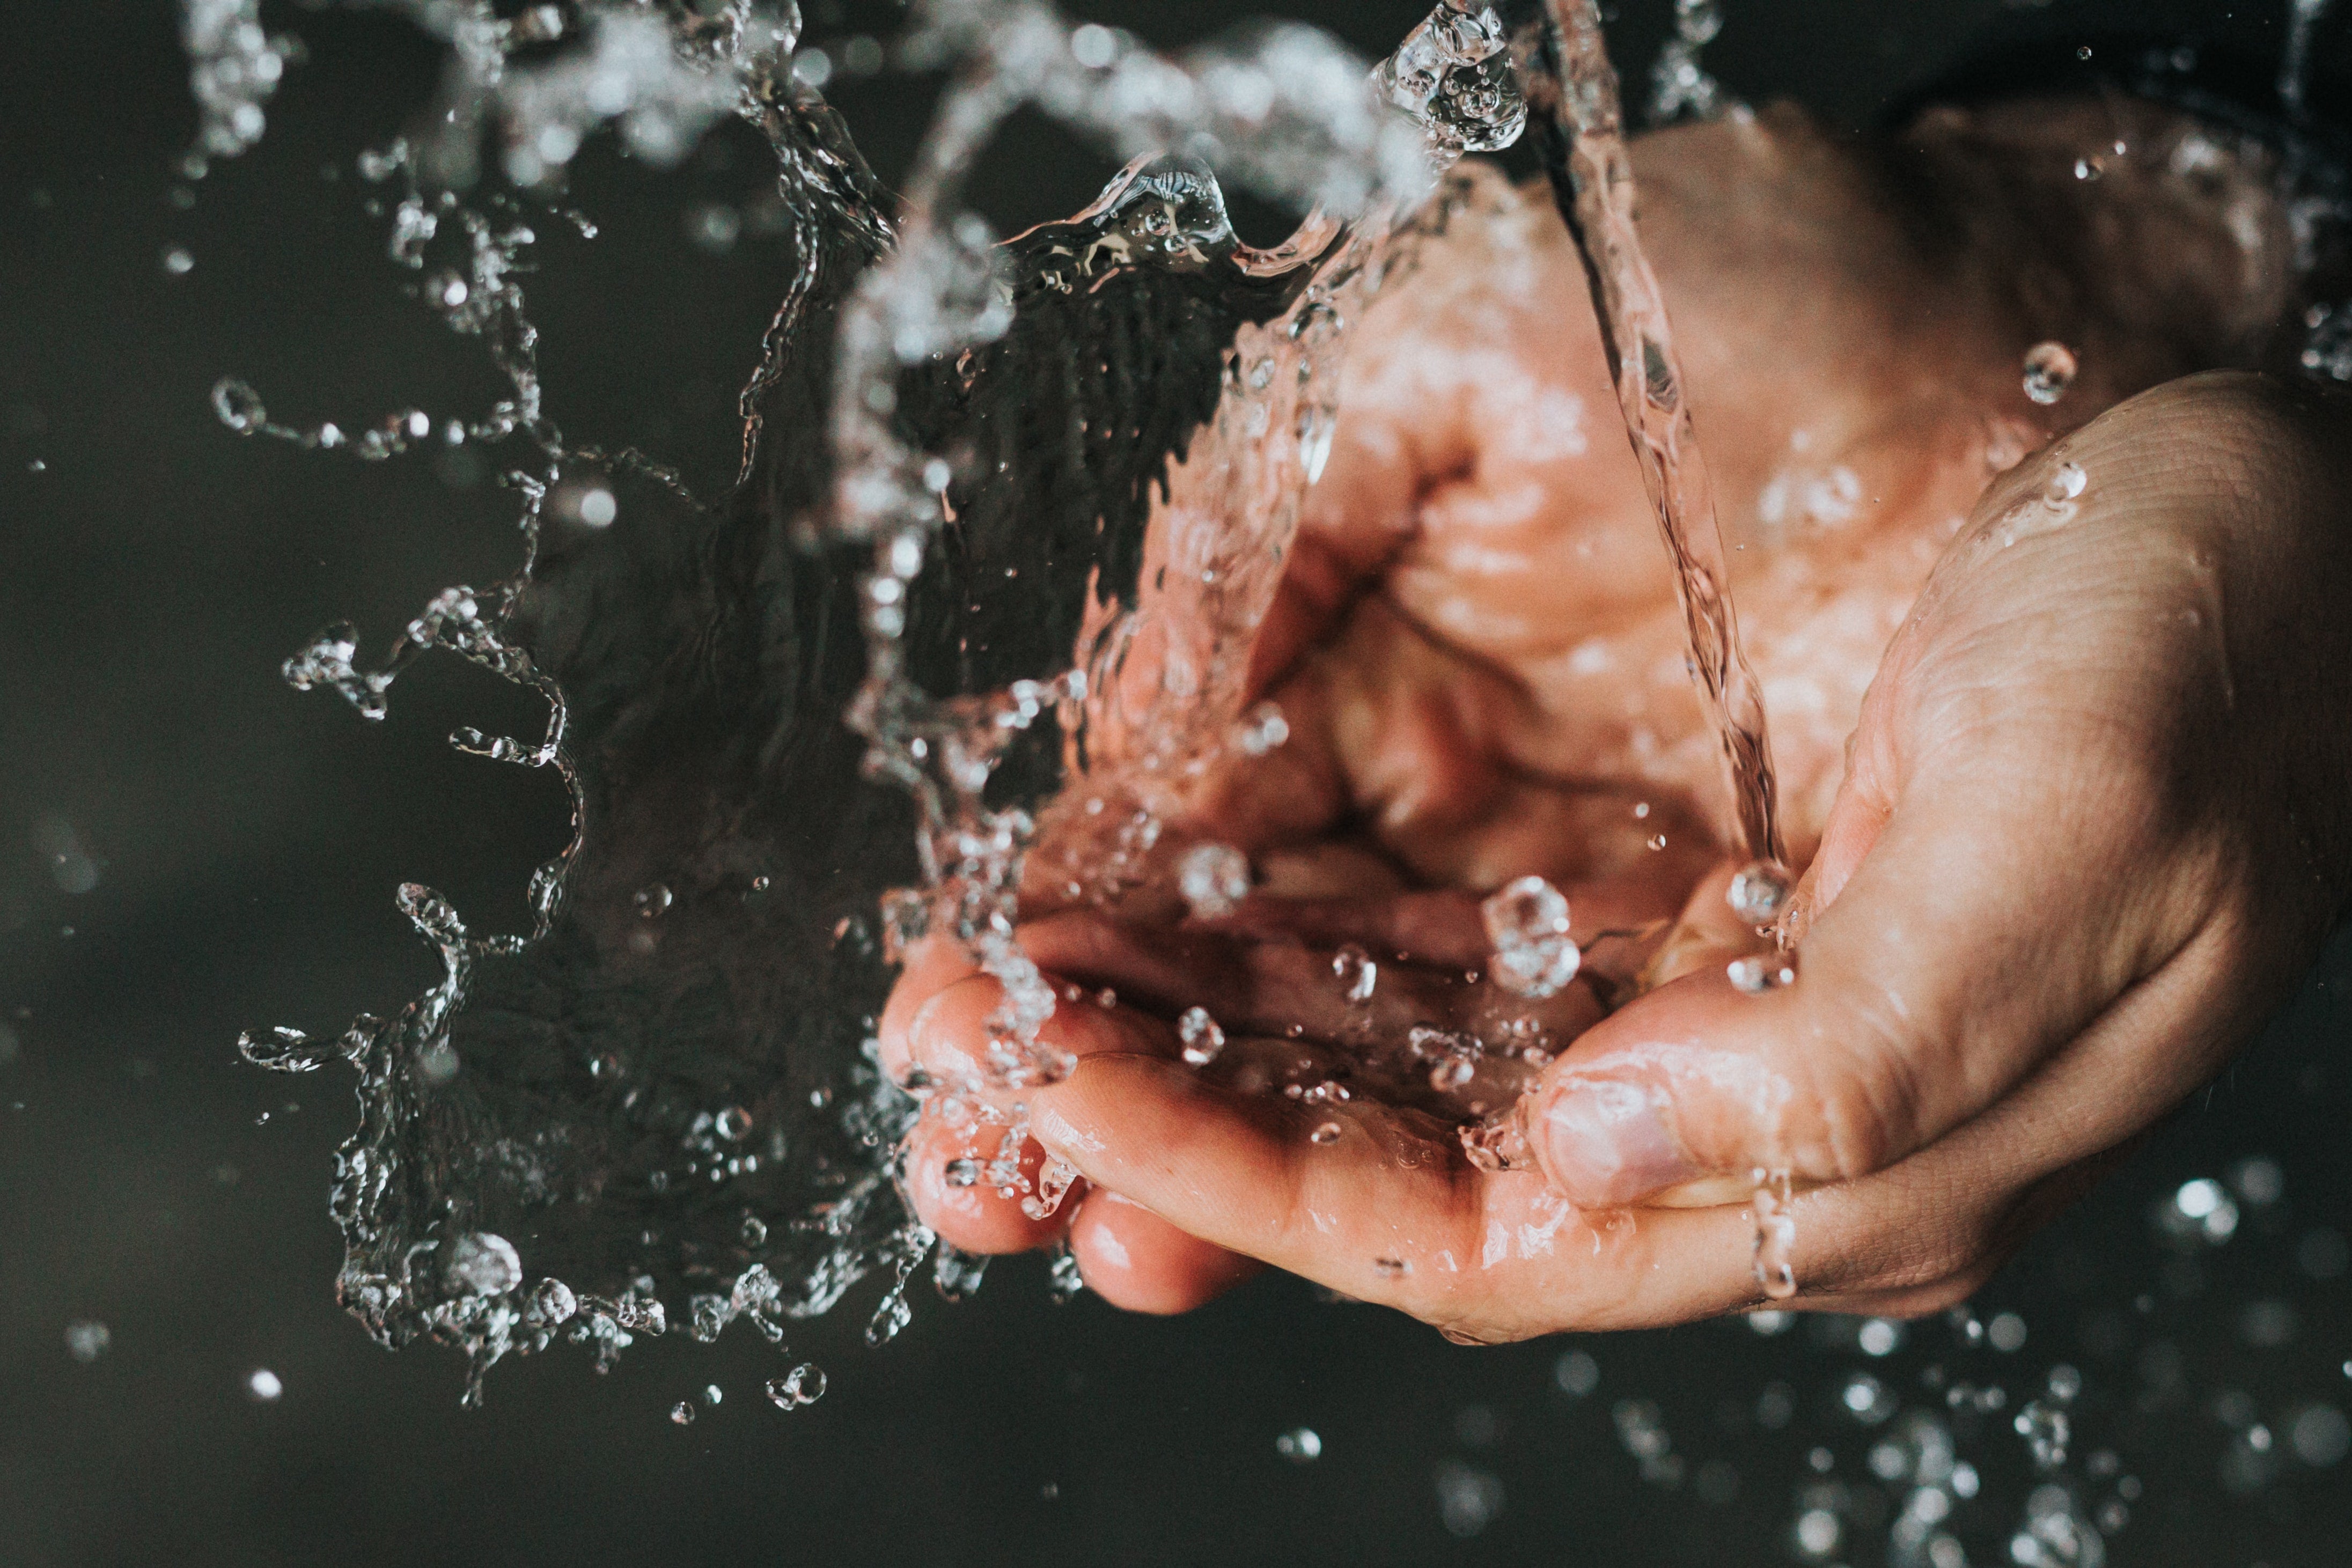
(1383, 1208)
(1985, 921)
(1138, 1261)
(930, 965)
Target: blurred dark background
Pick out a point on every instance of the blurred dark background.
(188, 849)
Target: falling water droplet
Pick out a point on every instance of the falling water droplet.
(1199, 1036)
(239, 405)
(1325, 1134)
(1300, 1445)
(1358, 974)
(1213, 879)
(1526, 926)
(1758, 893)
(2048, 371)
(683, 1413)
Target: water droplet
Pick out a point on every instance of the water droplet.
(733, 1124)
(802, 1385)
(1214, 880)
(2065, 484)
(1300, 1445)
(1325, 1134)
(1392, 1267)
(1526, 926)
(2046, 1431)
(1199, 1036)
(238, 406)
(1755, 975)
(1758, 893)
(2048, 371)
(2090, 168)
(1773, 1226)
(1454, 1071)
(482, 1264)
(178, 261)
(1357, 973)
(683, 1413)
(963, 1173)
(1261, 729)
(87, 1339)
(653, 901)
(263, 1387)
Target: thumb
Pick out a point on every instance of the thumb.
(1953, 941)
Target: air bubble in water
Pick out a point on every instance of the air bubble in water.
(1300, 1445)
(2048, 371)
(1213, 879)
(1755, 975)
(1758, 893)
(1199, 1036)
(1526, 926)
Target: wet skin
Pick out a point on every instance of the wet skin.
(2064, 772)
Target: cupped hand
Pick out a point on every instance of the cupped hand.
(2086, 832)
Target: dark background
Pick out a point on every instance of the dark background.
(154, 571)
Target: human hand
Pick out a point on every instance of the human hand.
(2048, 895)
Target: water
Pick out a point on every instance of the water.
(1581, 134)
(658, 1165)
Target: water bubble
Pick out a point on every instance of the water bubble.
(1758, 893)
(1325, 1134)
(2006, 1333)
(1300, 1445)
(1214, 880)
(1575, 1373)
(87, 1339)
(733, 1124)
(1879, 1336)
(1755, 975)
(1199, 1036)
(1527, 928)
(653, 901)
(179, 261)
(682, 1412)
(2065, 484)
(263, 1386)
(482, 1264)
(2048, 371)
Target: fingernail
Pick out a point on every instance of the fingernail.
(1605, 1143)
